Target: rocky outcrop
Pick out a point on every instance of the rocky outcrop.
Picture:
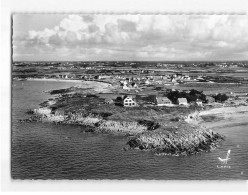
(180, 143)
(122, 126)
(170, 133)
(189, 137)
(96, 122)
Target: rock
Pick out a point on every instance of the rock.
(126, 148)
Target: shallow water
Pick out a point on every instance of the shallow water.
(48, 151)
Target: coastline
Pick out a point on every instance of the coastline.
(224, 110)
(165, 131)
(225, 117)
(97, 86)
(184, 136)
(57, 80)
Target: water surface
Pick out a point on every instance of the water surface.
(48, 151)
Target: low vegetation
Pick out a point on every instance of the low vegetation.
(164, 130)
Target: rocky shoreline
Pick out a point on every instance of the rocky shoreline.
(165, 142)
(181, 135)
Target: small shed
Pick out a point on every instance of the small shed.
(198, 102)
(182, 101)
(210, 99)
(108, 101)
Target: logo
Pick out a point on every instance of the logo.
(225, 160)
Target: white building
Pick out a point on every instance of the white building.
(198, 102)
(147, 82)
(182, 101)
(163, 101)
(129, 101)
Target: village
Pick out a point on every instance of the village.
(130, 94)
(137, 85)
(161, 72)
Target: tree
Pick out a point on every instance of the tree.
(173, 96)
(220, 97)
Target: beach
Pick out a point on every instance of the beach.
(100, 87)
(225, 116)
(57, 80)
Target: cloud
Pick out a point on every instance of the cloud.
(140, 37)
(126, 26)
(73, 23)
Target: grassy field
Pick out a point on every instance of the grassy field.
(212, 88)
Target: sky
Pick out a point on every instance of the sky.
(93, 37)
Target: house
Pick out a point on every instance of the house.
(210, 99)
(198, 102)
(65, 75)
(173, 80)
(128, 80)
(125, 87)
(235, 94)
(182, 101)
(80, 76)
(186, 77)
(134, 85)
(163, 101)
(124, 82)
(71, 76)
(108, 101)
(129, 101)
(147, 82)
(98, 77)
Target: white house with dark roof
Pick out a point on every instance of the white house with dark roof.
(129, 101)
(125, 87)
(134, 85)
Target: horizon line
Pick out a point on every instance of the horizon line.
(130, 60)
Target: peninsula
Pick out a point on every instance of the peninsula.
(157, 110)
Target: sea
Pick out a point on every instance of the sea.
(49, 151)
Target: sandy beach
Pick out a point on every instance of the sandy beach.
(97, 86)
(100, 87)
(225, 110)
(226, 116)
(57, 80)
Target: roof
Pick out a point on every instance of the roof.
(162, 100)
(129, 96)
(209, 96)
(182, 100)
